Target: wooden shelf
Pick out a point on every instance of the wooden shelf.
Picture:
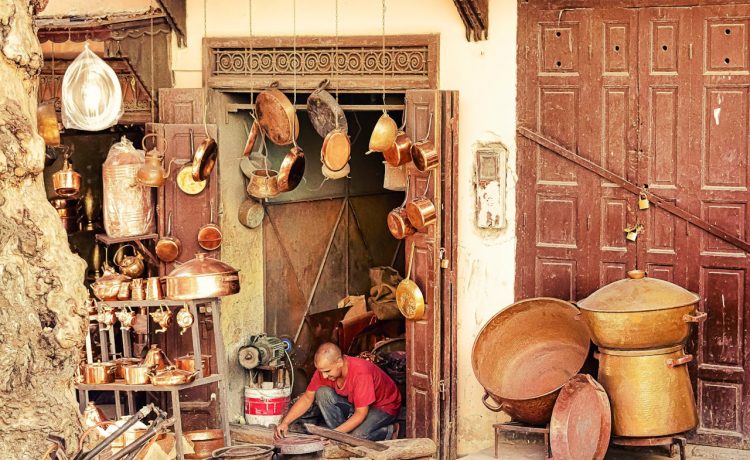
(126, 239)
(154, 303)
(120, 385)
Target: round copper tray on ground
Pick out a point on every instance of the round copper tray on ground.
(297, 445)
(581, 421)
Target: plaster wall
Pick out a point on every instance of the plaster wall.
(484, 73)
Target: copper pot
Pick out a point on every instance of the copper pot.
(399, 153)
(399, 225)
(425, 156)
(172, 376)
(120, 362)
(204, 442)
(526, 353)
(137, 374)
(66, 181)
(650, 391)
(202, 277)
(204, 159)
(97, 373)
(168, 247)
(421, 212)
(187, 363)
(263, 184)
(640, 313)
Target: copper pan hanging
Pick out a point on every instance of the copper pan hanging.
(210, 235)
(291, 170)
(204, 159)
(399, 153)
(325, 112)
(252, 136)
(185, 180)
(409, 297)
(422, 211)
(168, 247)
(398, 220)
(424, 154)
(277, 116)
(336, 150)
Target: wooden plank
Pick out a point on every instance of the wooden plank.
(633, 188)
(344, 438)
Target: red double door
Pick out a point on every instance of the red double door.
(660, 96)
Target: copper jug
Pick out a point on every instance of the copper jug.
(153, 288)
(66, 181)
(155, 358)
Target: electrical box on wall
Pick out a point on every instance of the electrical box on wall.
(489, 180)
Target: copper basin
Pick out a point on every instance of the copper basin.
(204, 442)
(526, 353)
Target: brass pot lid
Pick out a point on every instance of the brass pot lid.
(638, 293)
(201, 265)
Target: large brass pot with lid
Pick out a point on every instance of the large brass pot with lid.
(640, 313)
(202, 277)
(649, 390)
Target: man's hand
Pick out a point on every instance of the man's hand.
(281, 431)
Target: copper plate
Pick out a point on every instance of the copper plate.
(186, 182)
(581, 421)
(336, 150)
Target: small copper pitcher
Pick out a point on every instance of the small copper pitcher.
(153, 289)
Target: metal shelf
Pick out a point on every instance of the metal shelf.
(125, 239)
(120, 385)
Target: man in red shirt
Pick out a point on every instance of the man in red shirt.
(354, 396)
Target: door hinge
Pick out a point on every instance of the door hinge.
(441, 388)
(690, 51)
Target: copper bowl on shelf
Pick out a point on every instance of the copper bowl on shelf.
(204, 442)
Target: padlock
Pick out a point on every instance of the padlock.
(643, 202)
(633, 232)
(632, 235)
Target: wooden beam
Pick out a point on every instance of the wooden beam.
(475, 16)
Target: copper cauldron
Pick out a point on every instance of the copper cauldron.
(649, 390)
(640, 313)
(526, 353)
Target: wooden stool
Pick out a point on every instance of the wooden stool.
(667, 441)
(515, 427)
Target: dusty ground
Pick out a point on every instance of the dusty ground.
(525, 451)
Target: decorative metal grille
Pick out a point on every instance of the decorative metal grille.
(349, 61)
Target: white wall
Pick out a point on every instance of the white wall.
(484, 73)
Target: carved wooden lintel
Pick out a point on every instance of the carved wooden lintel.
(475, 15)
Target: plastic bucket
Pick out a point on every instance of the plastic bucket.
(265, 406)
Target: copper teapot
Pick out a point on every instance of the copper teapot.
(107, 317)
(126, 316)
(155, 358)
(163, 317)
(131, 266)
(184, 319)
(152, 173)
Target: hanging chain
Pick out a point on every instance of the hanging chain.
(382, 56)
(153, 87)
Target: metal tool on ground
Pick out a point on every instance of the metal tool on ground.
(344, 438)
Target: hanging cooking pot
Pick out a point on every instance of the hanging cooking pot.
(131, 266)
(292, 170)
(66, 181)
(46, 123)
(185, 180)
(324, 112)
(263, 184)
(201, 278)
(277, 116)
(650, 391)
(383, 134)
(204, 159)
(209, 235)
(336, 150)
(640, 313)
(409, 298)
(398, 223)
(424, 154)
(250, 213)
(421, 212)
(168, 247)
(399, 153)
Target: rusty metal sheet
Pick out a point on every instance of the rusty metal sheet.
(581, 421)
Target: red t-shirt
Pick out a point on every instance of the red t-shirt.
(366, 385)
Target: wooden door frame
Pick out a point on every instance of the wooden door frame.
(374, 84)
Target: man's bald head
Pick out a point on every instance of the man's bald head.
(328, 353)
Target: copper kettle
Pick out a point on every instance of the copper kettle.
(152, 173)
(131, 266)
(66, 181)
(156, 358)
